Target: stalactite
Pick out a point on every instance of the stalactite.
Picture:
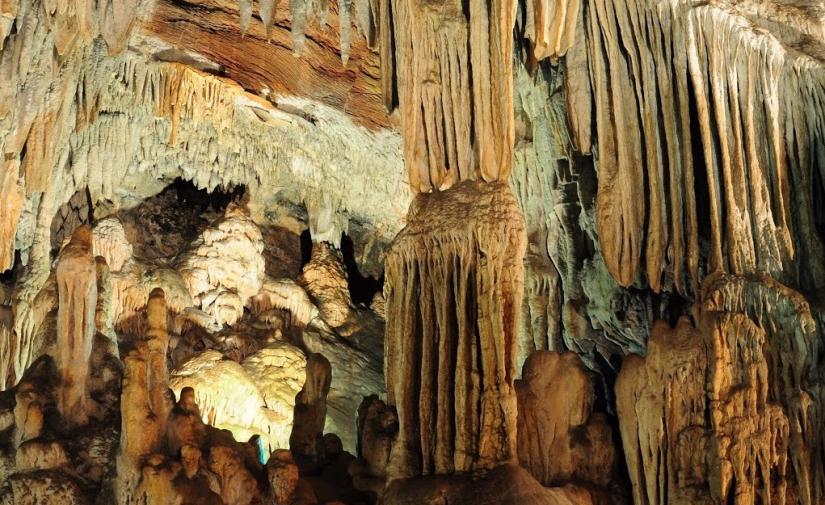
(551, 26)
(345, 28)
(453, 289)
(747, 86)
(456, 103)
(267, 10)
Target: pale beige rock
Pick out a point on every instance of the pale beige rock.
(109, 241)
(288, 295)
(12, 202)
(224, 267)
(77, 291)
(325, 280)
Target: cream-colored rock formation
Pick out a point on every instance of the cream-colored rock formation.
(224, 266)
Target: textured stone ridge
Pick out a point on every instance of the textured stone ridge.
(453, 298)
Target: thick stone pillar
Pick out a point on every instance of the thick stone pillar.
(454, 286)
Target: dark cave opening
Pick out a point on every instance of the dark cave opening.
(700, 177)
(202, 200)
(163, 224)
(818, 200)
(361, 288)
(306, 247)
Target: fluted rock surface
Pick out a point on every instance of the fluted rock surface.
(77, 292)
(453, 289)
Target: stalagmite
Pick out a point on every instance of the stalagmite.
(453, 290)
(740, 379)
(145, 400)
(77, 291)
(325, 280)
(555, 422)
(306, 440)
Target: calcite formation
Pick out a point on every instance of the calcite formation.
(453, 291)
(306, 439)
(560, 439)
(399, 251)
(76, 274)
(739, 428)
(224, 267)
(325, 280)
(667, 76)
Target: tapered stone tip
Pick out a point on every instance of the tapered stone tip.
(82, 237)
(158, 294)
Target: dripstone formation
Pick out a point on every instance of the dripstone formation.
(412, 252)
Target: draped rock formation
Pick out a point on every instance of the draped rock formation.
(456, 103)
(686, 96)
(453, 291)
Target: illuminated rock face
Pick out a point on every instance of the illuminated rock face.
(598, 223)
(224, 267)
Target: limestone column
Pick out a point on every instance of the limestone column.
(454, 286)
(77, 301)
(455, 273)
(306, 439)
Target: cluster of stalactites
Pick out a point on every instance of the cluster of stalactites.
(71, 21)
(456, 103)
(667, 80)
(453, 292)
(302, 11)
